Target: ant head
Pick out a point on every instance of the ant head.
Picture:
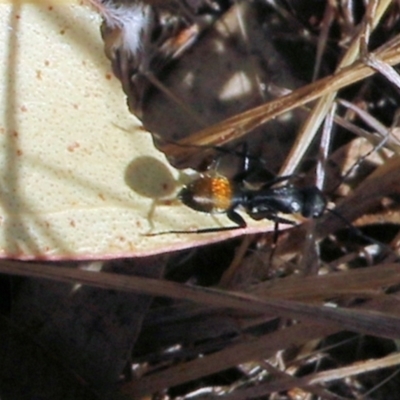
(314, 202)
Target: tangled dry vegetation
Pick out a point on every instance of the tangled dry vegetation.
(312, 88)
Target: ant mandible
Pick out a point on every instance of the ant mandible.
(214, 193)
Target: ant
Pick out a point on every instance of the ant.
(214, 193)
(217, 194)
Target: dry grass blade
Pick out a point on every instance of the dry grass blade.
(314, 120)
(363, 282)
(309, 311)
(239, 125)
(367, 322)
(322, 377)
(250, 350)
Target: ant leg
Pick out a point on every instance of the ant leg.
(196, 231)
(250, 166)
(236, 218)
(274, 242)
(272, 217)
(276, 180)
(231, 214)
(245, 167)
(246, 159)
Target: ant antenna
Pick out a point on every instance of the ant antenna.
(380, 128)
(307, 263)
(358, 232)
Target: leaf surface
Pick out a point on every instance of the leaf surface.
(80, 178)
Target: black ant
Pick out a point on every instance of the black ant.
(217, 194)
(214, 193)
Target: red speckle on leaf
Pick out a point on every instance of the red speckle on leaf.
(101, 195)
(72, 147)
(23, 109)
(19, 153)
(39, 74)
(46, 63)
(72, 223)
(14, 134)
(108, 76)
(50, 8)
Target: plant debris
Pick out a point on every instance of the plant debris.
(310, 89)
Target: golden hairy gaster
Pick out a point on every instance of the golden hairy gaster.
(210, 194)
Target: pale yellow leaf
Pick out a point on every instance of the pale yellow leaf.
(79, 176)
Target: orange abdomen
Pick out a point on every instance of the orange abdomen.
(210, 194)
